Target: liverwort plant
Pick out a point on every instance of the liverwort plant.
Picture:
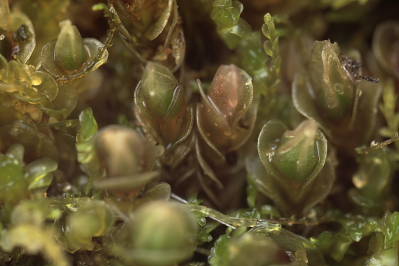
(201, 132)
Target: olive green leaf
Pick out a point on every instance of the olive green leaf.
(293, 161)
(69, 50)
(85, 136)
(160, 105)
(39, 173)
(339, 99)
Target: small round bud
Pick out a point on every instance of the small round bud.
(163, 233)
(92, 219)
(123, 151)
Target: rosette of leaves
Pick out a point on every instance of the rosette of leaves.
(161, 107)
(227, 112)
(386, 47)
(69, 54)
(127, 157)
(26, 94)
(332, 91)
(158, 233)
(18, 35)
(24, 83)
(373, 181)
(294, 170)
(153, 30)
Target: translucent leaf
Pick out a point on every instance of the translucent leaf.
(276, 180)
(85, 144)
(39, 173)
(69, 51)
(231, 92)
(88, 127)
(94, 47)
(46, 85)
(226, 15)
(159, 90)
(157, 28)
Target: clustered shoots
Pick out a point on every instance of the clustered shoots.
(201, 132)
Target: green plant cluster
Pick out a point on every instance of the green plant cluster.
(199, 132)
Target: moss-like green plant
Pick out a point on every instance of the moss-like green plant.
(201, 132)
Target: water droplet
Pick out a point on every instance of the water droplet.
(358, 181)
(270, 156)
(373, 143)
(36, 81)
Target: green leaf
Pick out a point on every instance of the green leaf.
(87, 156)
(220, 252)
(39, 173)
(69, 50)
